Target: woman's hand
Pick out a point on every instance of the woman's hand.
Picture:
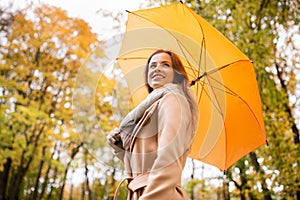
(114, 140)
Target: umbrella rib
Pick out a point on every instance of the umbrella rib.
(200, 58)
(201, 92)
(190, 66)
(224, 66)
(178, 42)
(216, 102)
(207, 93)
(203, 43)
(220, 89)
(229, 91)
(217, 106)
(133, 58)
(213, 71)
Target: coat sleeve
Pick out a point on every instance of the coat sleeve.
(173, 144)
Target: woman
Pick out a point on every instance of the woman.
(153, 140)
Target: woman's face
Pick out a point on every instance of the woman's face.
(160, 70)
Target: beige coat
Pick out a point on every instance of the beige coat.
(158, 154)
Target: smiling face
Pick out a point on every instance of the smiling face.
(160, 70)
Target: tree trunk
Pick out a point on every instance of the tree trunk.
(226, 194)
(15, 183)
(45, 184)
(36, 187)
(74, 152)
(266, 191)
(17, 178)
(288, 109)
(49, 196)
(71, 192)
(90, 194)
(192, 178)
(57, 147)
(242, 183)
(4, 179)
(61, 194)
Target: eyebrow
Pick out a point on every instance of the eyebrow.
(164, 61)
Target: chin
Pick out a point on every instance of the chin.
(156, 85)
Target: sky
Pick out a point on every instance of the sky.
(88, 10)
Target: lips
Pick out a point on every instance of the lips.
(158, 76)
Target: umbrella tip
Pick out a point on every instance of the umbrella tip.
(127, 11)
(181, 1)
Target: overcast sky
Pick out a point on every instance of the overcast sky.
(88, 10)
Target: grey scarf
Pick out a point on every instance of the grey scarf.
(128, 129)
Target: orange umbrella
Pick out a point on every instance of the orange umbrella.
(231, 122)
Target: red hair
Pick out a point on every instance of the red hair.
(180, 75)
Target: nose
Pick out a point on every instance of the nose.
(158, 67)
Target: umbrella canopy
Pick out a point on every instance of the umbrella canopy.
(231, 122)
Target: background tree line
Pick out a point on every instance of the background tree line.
(55, 111)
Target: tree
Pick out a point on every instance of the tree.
(40, 60)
